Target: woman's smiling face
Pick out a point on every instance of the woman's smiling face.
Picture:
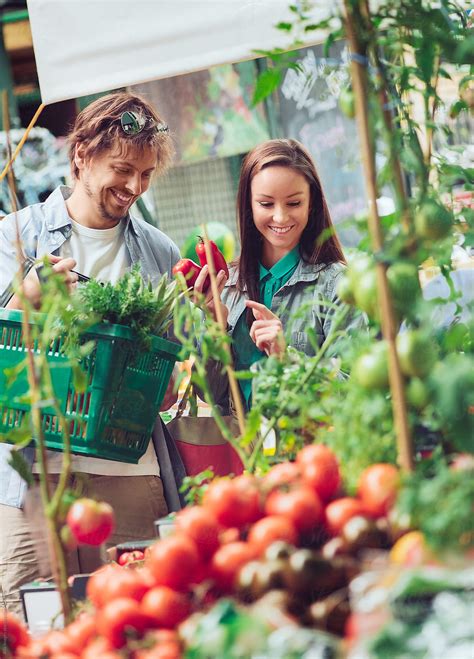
(280, 199)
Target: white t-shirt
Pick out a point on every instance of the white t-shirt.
(102, 254)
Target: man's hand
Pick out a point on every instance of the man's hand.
(266, 330)
(31, 284)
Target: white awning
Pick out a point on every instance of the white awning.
(88, 46)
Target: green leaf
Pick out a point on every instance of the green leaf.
(267, 82)
(79, 378)
(21, 466)
(285, 27)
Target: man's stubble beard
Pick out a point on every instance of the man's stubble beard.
(102, 210)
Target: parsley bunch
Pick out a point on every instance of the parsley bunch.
(132, 302)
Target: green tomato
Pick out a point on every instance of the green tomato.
(344, 290)
(219, 232)
(416, 353)
(404, 285)
(365, 293)
(433, 221)
(417, 394)
(347, 102)
(371, 369)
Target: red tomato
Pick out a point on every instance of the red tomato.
(97, 583)
(166, 607)
(130, 557)
(173, 561)
(91, 522)
(217, 256)
(302, 506)
(60, 643)
(188, 269)
(81, 631)
(201, 526)
(269, 529)
(320, 469)
(100, 647)
(285, 473)
(233, 502)
(227, 561)
(378, 487)
(340, 511)
(120, 619)
(13, 634)
(124, 583)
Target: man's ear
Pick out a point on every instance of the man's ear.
(79, 156)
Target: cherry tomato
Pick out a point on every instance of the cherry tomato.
(81, 631)
(227, 561)
(124, 583)
(166, 607)
(269, 529)
(340, 511)
(280, 475)
(130, 557)
(13, 634)
(97, 583)
(91, 522)
(234, 503)
(378, 487)
(301, 505)
(100, 647)
(320, 469)
(201, 526)
(120, 619)
(173, 561)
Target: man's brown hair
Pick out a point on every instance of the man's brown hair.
(98, 128)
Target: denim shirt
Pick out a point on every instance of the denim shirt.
(301, 303)
(43, 229)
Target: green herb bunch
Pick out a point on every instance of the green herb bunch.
(132, 302)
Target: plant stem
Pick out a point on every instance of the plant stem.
(355, 24)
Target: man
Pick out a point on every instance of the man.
(117, 145)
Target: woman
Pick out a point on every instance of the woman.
(290, 262)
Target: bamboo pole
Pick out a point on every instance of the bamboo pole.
(359, 76)
(21, 142)
(233, 384)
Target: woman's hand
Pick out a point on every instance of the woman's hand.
(266, 330)
(208, 299)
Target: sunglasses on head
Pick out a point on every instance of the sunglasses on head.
(133, 123)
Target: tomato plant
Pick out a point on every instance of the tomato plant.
(91, 522)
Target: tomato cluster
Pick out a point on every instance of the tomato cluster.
(238, 541)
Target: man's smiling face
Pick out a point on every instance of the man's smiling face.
(112, 181)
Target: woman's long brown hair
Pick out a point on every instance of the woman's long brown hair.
(283, 153)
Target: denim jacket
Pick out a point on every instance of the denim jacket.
(43, 229)
(308, 292)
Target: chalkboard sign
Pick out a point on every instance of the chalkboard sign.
(310, 113)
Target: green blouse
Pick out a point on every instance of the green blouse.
(246, 352)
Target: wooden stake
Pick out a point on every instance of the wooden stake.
(389, 328)
(233, 384)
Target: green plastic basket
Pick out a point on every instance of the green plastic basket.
(114, 417)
